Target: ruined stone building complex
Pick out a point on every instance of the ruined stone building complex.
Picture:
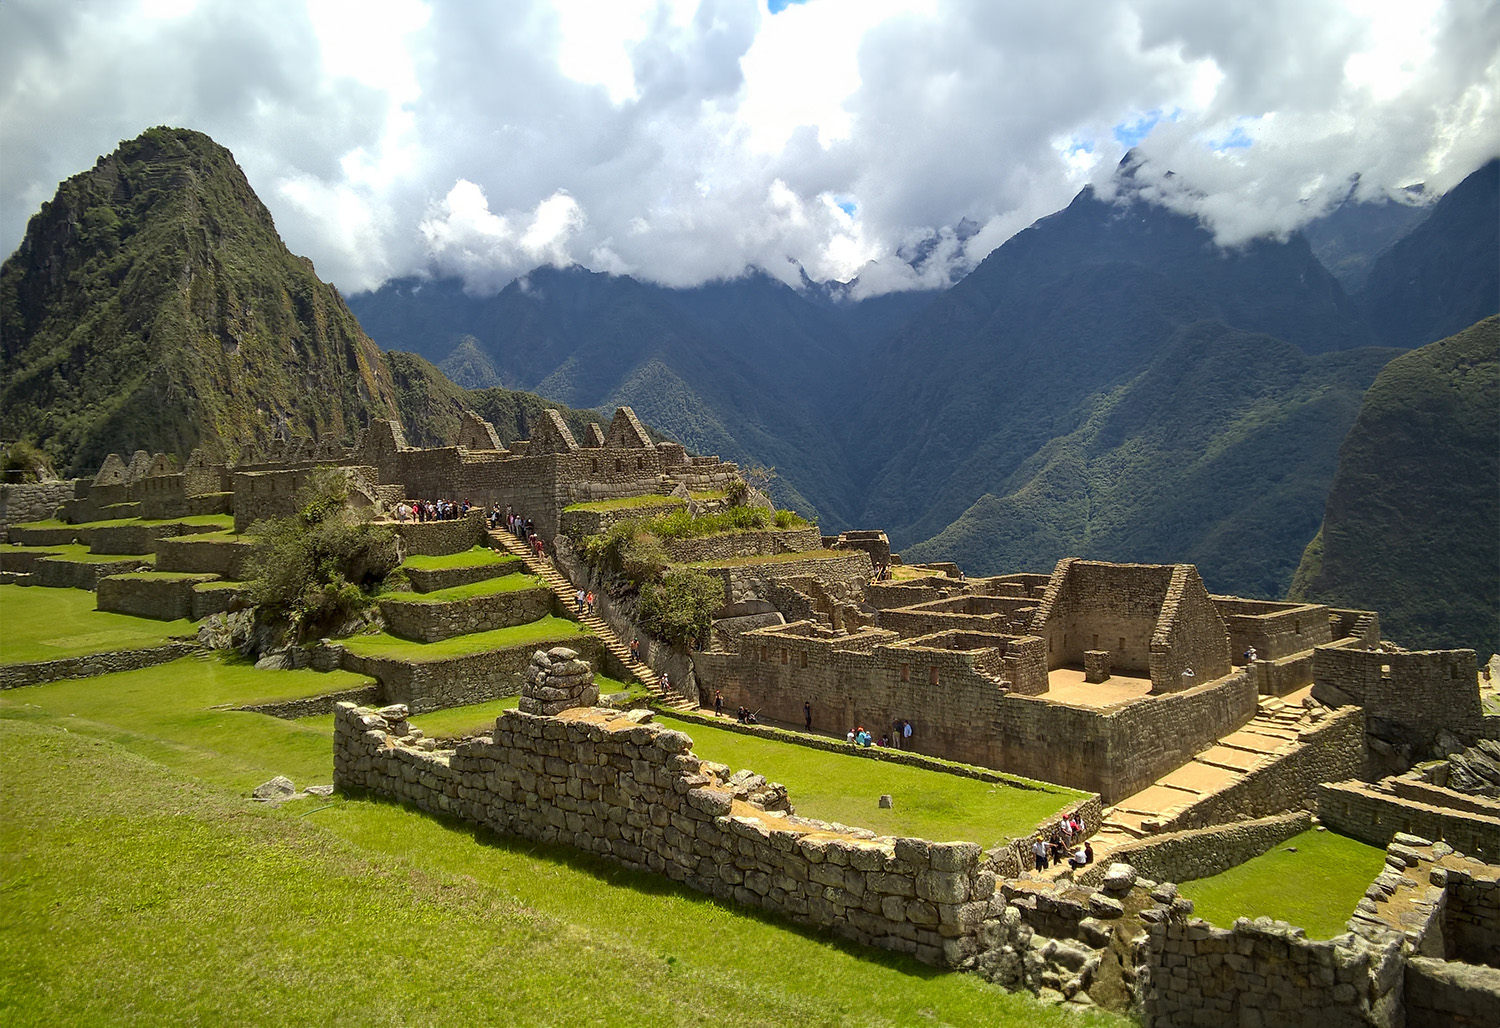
(1193, 717)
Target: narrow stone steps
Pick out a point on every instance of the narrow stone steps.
(568, 594)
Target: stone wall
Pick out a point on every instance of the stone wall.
(458, 681)
(13, 676)
(1332, 751)
(227, 558)
(430, 581)
(1374, 815)
(314, 706)
(1155, 620)
(1275, 629)
(60, 573)
(635, 793)
(427, 621)
(440, 538)
(218, 597)
(1116, 751)
(742, 544)
(1440, 994)
(165, 597)
(1264, 974)
(744, 582)
(30, 535)
(31, 501)
(1408, 698)
(1200, 853)
(579, 524)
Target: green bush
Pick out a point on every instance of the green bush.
(681, 607)
(320, 566)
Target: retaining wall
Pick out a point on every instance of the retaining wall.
(448, 578)
(13, 676)
(743, 544)
(165, 597)
(440, 538)
(31, 501)
(227, 558)
(459, 681)
(1373, 815)
(432, 622)
(58, 573)
(635, 793)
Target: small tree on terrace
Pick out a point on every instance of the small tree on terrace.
(319, 566)
(681, 608)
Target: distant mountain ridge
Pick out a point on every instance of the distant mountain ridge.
(943, 417)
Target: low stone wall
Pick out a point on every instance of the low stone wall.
(31, 501)
(1201, 852)
(227, 558)
(180, 506)
(22, 562)
(218, 598)
(1268, 974)
(440, 538)
(165, 597)
(433, 622)
(1332, 751)
(14, 676)
(57, 573)
(1374, 816)
(22, 535)
(744, 582)
(313, 706)
(742, 544)
(118, 539)
(459, 681)
(449, 578)
(636, 794)
(581, 523)
(1441, 994)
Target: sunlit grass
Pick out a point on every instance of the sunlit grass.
(846, 788)
(48, 624)
(478, 556)
(504, 584)
(556, 631)
(1314, 888)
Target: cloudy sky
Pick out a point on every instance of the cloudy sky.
(680, 141)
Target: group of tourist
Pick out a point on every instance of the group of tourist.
(431, 510)
(524, 529)
(584, 600)
(1067, 843)
(882, 573)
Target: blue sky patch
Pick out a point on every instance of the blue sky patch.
(1236, 140)
(1129, 133)
(847, 205)
(777, 6)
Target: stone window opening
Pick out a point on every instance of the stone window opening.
(765, 653)
(1122, 644)
(804, 658)
(906, 672)
(932, 675)
(783, 655)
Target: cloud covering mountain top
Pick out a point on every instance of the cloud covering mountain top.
(681, 141)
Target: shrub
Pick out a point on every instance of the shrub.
(681, 607)
(319, 566)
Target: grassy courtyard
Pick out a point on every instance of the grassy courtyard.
(142, 888)
(474, 557)
(550, 630)
(1314, 888)
(47, 624)
(847, 788)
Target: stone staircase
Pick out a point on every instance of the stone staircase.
(1276, 726)
(567, 593)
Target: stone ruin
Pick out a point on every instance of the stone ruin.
(557, 680)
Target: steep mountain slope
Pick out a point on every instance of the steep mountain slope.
(152, 305)
(1218, 452)
(1349, 239)
(1412, 524)
(1076, 305)
(1444, 275)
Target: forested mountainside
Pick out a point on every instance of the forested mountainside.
(1412, 526)
(153, 306)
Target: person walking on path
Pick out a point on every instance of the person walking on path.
(718, 704)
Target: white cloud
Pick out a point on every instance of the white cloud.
(680, 140)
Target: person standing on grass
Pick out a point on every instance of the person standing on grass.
(807, 714)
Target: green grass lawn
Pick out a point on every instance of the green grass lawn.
(1314, 888)
(141, 888)
(478, 556)
(631, 503)
(847, 788)
(513, 582)
(219, 520)
(549, 630)
(773, 558)
(80, 553)
(47, 624)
